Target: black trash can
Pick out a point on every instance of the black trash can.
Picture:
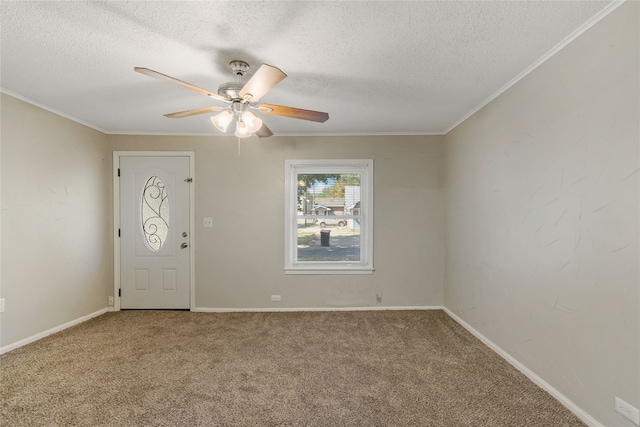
(324, 237)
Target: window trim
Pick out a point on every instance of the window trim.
(292, 168)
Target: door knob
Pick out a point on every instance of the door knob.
(184, 245)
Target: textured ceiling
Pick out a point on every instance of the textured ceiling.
(376, 67)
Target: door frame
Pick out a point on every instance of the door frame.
(116, 219)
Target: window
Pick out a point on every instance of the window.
(328, 217)
(155, 214)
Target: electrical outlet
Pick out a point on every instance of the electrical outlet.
(110, 301)
(627, 411)
(1, 305)
(276, 298)
(378, 298)
(207, 222)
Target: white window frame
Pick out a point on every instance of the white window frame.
(324, 166)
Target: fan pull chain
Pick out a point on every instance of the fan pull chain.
(238, 147)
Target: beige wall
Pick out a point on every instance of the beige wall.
(240, 261)
(542, 219)
(56, 264)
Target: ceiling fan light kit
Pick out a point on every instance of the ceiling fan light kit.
(241, 97)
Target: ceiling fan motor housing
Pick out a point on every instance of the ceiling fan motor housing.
(230, 90)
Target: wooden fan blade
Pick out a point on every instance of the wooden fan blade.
(264, 132)
(261, 82)
(173, 80)
(194, 112)
(295, 113)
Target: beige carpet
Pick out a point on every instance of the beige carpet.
(170, 368)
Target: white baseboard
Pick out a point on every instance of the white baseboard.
(291, 309)
(59, 328)
(579, 412)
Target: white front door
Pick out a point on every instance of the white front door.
(154, 232)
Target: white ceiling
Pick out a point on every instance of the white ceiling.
(379, 67)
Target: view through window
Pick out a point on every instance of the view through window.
(328, 217)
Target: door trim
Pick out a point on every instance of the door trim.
(116, 219)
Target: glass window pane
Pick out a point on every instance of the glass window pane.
(327, 230)
(329, 195)
(155, 213)
(329, 243)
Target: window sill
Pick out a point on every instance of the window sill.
(327, 271)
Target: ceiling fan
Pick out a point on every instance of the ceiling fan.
(242, 97)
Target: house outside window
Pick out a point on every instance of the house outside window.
(329, 216)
